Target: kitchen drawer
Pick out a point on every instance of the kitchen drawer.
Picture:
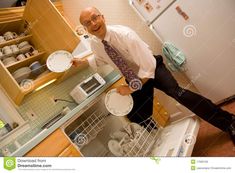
(44, 36)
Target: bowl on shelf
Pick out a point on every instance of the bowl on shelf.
(21, 74)
(9, 61)
(23, 44)
(26, 49)
(36, 68)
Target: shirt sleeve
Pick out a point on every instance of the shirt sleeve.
(141, 55)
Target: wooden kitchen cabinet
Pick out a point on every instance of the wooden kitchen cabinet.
(56, 144)
(47, 31)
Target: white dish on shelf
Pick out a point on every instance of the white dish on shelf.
(117, 104)
(9, 61)
(21, 74)
(59, 61)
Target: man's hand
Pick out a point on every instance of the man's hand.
(124, 90)
(79, 62)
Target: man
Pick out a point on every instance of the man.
(123, 49)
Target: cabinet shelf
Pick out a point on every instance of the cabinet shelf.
(24, 62)
(16, 40)
(38, 82)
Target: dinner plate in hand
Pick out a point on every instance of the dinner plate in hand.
(59, 61)
(118, 104)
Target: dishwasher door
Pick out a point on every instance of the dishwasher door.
(91, 130)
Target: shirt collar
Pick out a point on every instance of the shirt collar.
(107, 36)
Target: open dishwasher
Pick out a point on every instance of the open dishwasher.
(97, 133)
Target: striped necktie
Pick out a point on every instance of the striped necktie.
(134, 81)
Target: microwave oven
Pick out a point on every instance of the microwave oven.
(87, 87)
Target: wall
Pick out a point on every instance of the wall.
(120, 12)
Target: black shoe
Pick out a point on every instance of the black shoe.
(231, 131)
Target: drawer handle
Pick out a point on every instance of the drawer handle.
(182, 13)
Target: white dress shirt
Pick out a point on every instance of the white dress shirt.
(135, 52)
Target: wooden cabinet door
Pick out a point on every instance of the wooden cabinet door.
(55, 144)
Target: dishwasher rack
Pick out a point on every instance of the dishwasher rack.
(143, 143)
(137, 141)
(89, 128)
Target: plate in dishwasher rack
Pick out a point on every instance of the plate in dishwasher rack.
(117, 104)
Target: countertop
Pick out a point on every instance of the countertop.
(110, 79)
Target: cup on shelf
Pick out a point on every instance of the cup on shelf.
(20, 57)
(28, 54)
(2, 39)
(36, 68)
(7, 50)
(15, 49)
(10, 35)
(34, 52)
(23, 44)
(25, 49)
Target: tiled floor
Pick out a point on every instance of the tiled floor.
(212, 141)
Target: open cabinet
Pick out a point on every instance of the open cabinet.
(46, 31)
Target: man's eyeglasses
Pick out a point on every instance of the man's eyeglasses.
(93, 19)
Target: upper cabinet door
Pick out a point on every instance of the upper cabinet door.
(149, 10)
(49, 27)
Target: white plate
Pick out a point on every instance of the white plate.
(117, 104)
(59, 61)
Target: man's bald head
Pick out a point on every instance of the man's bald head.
(86, 11)
(93, 21)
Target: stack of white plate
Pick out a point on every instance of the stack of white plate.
(21, 74)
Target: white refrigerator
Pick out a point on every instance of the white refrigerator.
(205, 31)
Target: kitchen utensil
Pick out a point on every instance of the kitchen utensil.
(117, 104)
(59, 61)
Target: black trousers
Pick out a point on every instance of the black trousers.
(164, 81)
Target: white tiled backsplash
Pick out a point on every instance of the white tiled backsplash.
(41, 103)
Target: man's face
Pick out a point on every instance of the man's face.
(94, 22)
